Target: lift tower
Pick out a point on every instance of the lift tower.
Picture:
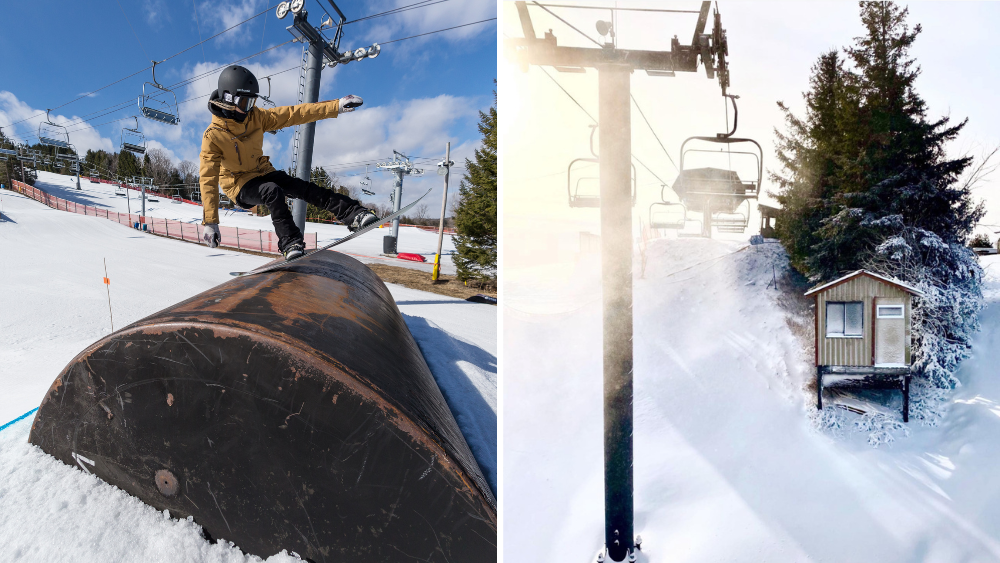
(614, 66)
(321, 52)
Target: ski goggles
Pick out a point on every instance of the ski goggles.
(245, 103)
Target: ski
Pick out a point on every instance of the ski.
(355, 234)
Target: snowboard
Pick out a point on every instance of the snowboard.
(355, 234)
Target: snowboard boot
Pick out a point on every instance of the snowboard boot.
(361, 220)
(293, 251)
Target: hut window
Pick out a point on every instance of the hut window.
(845, 319)
(890, 311)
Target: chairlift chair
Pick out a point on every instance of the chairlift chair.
(52, 134)
(154, 108)
(132, 140)
(590, 198)
(366, 182)
(719, 193)
(667, 215)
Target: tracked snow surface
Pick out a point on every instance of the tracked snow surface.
(53, 304)
(729, 464)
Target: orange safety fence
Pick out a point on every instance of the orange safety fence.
(429, 228)
(234, 237)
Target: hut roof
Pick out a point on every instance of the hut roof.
(852, 275)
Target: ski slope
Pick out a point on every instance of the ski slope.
(53, 304)
(368, 249)
(728, 465)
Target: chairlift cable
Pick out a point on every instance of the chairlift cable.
(654, 132)
(114, 108)
(197, 22)
(595, 121)
(438, 31)
(408, 7)
(144, 69)
(568, 94)
(184, 82)
(617, 9)
(592, 40)
(133, 29)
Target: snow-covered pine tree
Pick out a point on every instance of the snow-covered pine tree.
(893, 201)
(910, 215)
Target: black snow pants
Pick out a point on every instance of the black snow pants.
(271, 189)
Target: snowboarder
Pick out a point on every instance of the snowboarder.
(232, 155)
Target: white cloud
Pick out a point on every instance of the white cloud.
(156, 12)
(218, 15)
(153, 144)
(431, 18)
(83, 136)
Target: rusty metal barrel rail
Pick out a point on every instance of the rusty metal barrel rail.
(287, 410)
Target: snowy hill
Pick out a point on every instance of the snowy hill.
(367, 249)
(728, 463)
(53, 304)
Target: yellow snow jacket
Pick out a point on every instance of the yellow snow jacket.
(232, 153)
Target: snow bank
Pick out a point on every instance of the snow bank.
(50, 511)
(728, 466)
(54, 304)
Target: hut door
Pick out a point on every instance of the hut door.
(890, 333)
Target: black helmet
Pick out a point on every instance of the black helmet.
(238, 81)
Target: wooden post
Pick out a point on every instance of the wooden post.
(616, 264)
(906, 398)
(819, 387)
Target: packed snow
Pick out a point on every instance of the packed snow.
(54, 303)
(730, 464)
(368, 248)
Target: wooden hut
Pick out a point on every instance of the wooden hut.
(863, 323)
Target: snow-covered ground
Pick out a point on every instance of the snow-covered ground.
(53, 303)
(368, 248)
(728, 464)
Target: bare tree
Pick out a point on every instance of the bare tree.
(159, 166)
(188, 171)
(420, 211)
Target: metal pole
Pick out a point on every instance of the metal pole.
(616, 259)
(143, 200)
(444, 206)
(308, 131)
(397, 195)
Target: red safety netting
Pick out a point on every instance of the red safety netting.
(234, 237)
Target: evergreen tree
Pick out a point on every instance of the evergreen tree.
(899, 167)
(476, 213)
(321, 178)
(884, 194)
(128, 165)
(812, 153)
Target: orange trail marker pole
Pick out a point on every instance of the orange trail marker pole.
(107, 284)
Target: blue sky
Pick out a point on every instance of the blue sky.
(418, 93)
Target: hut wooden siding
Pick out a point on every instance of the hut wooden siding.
(854, 351)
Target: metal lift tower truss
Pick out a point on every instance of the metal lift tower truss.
(317, 53)
(614, 67)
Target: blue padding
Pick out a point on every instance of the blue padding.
(20, 418)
